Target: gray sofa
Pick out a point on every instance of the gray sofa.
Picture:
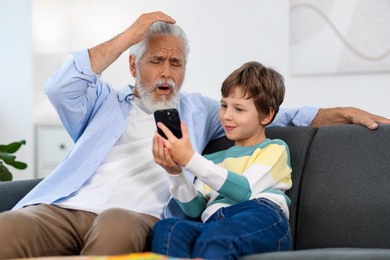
(340, 196)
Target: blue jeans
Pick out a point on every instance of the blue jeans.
(250, 227)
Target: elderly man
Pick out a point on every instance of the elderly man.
(107, 193)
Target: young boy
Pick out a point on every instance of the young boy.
(238, 192)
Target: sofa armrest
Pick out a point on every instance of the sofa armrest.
(13, 191)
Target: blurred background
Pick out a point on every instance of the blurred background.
(331, 53)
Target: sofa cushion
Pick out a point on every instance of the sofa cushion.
(344, 199)
(13, 191)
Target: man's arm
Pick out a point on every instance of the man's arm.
(103, 55)
(347, 115)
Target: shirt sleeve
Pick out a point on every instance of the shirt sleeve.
(215, 127)
(302, 116)
(76, 93)
(187, 197)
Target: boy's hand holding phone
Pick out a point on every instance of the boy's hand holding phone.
(162, 156)
(179, 149)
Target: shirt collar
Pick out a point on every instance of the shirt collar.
(126, 94)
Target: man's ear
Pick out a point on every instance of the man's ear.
(268, 118)
(132, 66)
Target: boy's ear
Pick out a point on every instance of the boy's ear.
(268, 118)
(132, 66)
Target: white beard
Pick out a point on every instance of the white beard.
(147, 96)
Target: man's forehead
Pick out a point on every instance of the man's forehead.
(166, 45)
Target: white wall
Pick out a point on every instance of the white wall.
(16, 81)
(223, 34)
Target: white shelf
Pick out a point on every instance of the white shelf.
(52, 144)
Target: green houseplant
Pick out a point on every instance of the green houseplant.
(7, 157)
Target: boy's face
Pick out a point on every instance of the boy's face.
(240, 119)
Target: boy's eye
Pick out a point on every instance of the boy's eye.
(239, 109)
(223, 106)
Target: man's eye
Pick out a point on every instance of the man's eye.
(176, 64)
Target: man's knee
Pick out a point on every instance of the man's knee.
(111, 218)
(119, 231)
(123, 221)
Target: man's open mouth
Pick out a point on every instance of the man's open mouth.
(164, 87)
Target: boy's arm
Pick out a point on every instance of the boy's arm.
(191, 201)
(269, 167)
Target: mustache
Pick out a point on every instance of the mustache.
(164, 83)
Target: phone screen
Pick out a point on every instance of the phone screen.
(171, 119)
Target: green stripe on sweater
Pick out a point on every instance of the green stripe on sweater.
(236, 188)
(195, 207)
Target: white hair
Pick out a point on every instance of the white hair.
(160, 28)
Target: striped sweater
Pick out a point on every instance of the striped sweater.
(232, 176)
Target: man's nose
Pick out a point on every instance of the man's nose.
(165, 70)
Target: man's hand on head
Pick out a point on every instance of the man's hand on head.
(348, 115)
(138, 30)
(104, 54)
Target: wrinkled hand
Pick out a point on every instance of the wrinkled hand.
(180, 150)
(162, 156)
(369, 120)
(140, 27)
(104, 54)
(348, 115)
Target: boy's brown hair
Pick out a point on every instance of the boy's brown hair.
(264, 85)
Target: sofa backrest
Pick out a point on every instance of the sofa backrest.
(344, 197)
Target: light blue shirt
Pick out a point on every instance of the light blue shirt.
(94, 114)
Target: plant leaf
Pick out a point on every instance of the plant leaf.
(10, 160)
(19, 165)
(12, 147)
(7, 158)
(5, 174)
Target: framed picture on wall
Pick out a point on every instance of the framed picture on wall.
(335, 37)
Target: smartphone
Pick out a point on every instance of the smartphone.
(171, 119)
